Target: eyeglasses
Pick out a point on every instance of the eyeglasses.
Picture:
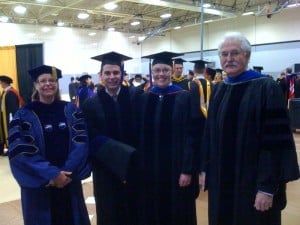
(163, 70)
(45, 81)
(233, 54)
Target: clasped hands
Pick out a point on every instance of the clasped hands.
(61, 180)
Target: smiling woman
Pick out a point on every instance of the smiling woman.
(45, 86)
(48, 154)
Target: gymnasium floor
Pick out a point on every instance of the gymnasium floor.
(10, 212)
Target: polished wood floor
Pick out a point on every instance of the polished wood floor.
(10, 212)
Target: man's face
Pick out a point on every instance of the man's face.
(178, 69)
(111, 77)
(233, 60)
(162, 75)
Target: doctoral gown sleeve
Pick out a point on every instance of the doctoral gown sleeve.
(27, 162)
(277, 157)
(191, 148)
(77, 161)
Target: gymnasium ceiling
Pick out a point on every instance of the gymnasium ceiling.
(147, 12)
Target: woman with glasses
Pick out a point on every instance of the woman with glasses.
(48, 154)
(168, 156)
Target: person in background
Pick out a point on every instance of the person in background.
(290, 80)
(137, 81)
(166, 145)
(282, 82)
(110, 120)
(190, 75)
(125, 81)
(48, 151)
(210, 74)
(10, 102)
(73, 86)
(218, 76)
(177, 77)
(200, 88)
(85, 89)
(248, 149)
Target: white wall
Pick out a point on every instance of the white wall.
(70, 49)
(281, 27)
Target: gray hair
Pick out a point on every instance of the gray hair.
(236, 36)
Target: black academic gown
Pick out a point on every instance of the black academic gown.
(9, 103)
(249, 147)
(167, 150)
(115, 200)
(197, 114)
(283, 85)
(181, 82)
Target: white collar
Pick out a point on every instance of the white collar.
(8, 87)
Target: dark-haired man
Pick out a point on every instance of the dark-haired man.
(177, 77)
(110, 121)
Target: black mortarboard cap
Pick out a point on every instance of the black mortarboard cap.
(179, 61)
(84, 77)
(37, 71)
(6, 79)
(138, 76)
(191, 72)
(162, 57)
(219, 70)
(112, 58)
(258, 68)
(199, 64)
(211, 72)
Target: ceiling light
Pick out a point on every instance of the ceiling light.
(166, 15)
(42, 1)
(111, 29)
(247, 13)
(92, 34)
(3, 19)
(132, 36)
(293, 5)
(20, 9)
(206, 5)
(141, 38)
(208, 21)
(135, 23)
(110, 6)
(176, 28)
(60, 23)
(45, 29)
(83, 16)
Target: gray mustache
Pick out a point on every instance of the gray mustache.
(231, 64)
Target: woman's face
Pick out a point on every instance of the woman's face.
(162, 75)
(46, 85)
